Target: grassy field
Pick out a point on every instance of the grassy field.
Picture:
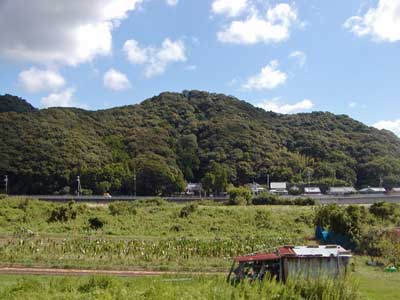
(368, 283)
(169, 288)
(375, 284)
(161, 236)
(148, 236)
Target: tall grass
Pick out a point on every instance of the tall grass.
(153, 234)
(174, 288)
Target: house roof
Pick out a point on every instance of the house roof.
(298, 252)
(396, 189)
(257, 257)
(312, 190)
(374, 189)
(193, 186)
(320, 251)
(342, 189)
(278, 185)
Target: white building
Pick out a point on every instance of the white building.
(341, 190)
(257, 188)
(193, 189)
(279, 188)
(312, 191)
(395, 190)
(373, 190)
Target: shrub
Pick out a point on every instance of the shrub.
(87, 192)
(295, 192)
(176, 228)
(122, 208)
(96, 223)
(304, 201)
(238, 201)
(268, 199)
(384, 210)
(157, 201)
(66, 190)
(271, 199)
(3, 196)
(344, 223)
(64, 213)
(239, 196)
(187, 210)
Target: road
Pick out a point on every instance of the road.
(323, 199)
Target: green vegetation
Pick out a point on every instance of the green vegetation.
(239, 196)
(148, 234)
(271, 199)
(364, 229)
(154, 234)
(9, 103)
(192, 136)
(172, 288)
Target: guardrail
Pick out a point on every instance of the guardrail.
(322, 199)
(118, 198)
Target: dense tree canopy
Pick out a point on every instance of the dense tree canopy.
(191, 136)
(9, 103)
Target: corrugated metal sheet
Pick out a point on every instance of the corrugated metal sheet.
(286, 251)
(321, 251)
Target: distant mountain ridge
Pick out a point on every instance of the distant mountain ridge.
(9, 103)
(189, 136)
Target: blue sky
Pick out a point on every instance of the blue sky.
(338, 56)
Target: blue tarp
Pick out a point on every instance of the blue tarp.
(329, 237)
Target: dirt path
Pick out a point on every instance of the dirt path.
(78, 272)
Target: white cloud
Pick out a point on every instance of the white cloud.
(352, 104)
(36, 80)
(66, 32)
(231, 8)
(269, 78)
(276, 106)
(172, 2)
(155, 59)
(382, 23)
(134, 53)
(300, 56)
(393, 126)
(62, 99)
(115, 80)
(274, 27)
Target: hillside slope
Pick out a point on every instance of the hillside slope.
(189, 136)
(9, 103)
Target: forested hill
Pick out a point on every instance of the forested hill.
(10, 103)
(190, 136)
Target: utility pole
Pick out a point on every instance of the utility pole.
(268, 182)
(309, 173)
(6, 183)
(78, 180)
(380, 181)
(134, 181)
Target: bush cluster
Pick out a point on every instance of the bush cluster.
(239, 196)
(64, 213)
(271, 199)
(122, 208)
(96, 223)
(187, 210)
